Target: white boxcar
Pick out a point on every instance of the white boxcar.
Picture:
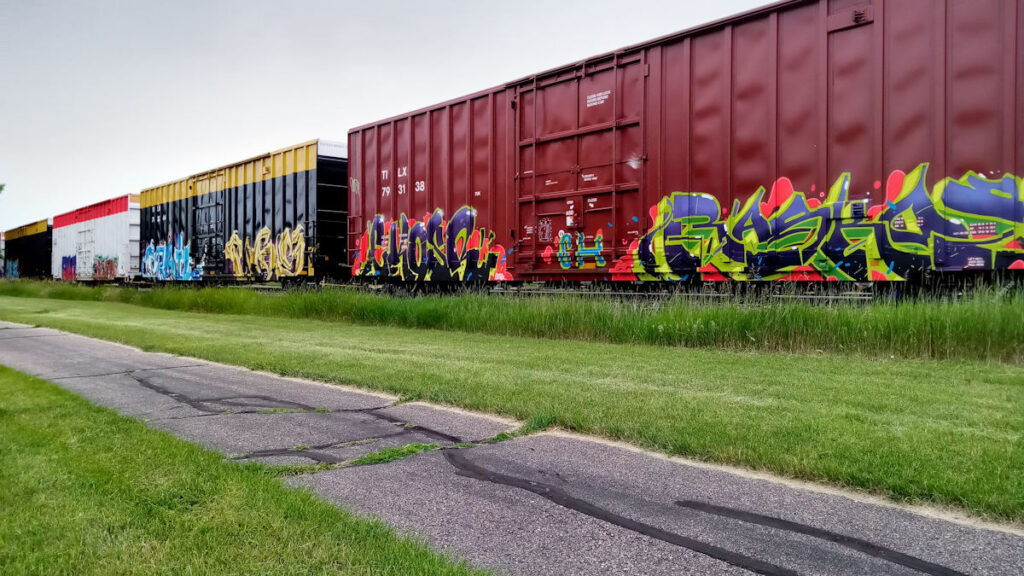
(98, 243)
(3, 267)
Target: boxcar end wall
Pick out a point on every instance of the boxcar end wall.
(808, 140)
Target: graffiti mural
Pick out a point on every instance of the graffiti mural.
(104, 269)
(267, 257)
(171, 260)
(69, 268)
(971, 223)
(567, 249)
(13, 270)
(431, 250)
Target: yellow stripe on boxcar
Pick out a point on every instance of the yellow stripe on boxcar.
(26, 230)
(283, 162)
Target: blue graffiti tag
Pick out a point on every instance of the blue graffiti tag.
(171, 261)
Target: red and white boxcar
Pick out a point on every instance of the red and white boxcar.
(97, 243)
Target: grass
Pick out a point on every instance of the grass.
(989, 325)
(392, 454)
(940, 432)
(286, 470)
(282, 411)
(86, 491)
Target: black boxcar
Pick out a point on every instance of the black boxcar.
(27, 251)
(279, 216)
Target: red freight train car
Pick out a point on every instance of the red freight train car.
(808, 140)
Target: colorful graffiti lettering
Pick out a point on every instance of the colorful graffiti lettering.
(104, 269)
(171, 260)
(971, 223)
(13, 270)
(565, 251)
(431, 250)
(267, 258)
(69, 268)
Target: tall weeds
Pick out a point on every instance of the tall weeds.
(988, 324)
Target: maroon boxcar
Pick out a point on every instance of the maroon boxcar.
(807, 140)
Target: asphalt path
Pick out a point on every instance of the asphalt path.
(549, 503)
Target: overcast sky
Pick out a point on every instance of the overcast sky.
(104, 98)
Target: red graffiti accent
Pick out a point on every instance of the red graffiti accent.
(501, 272)
(712, 274)
(833, 279)
(878, 184)
(654, 214)
(875, 211)
(364, 244)
(622, 271)
(813, 203)
(1013, 245)
(877, 276)
(782, 190)
(803, 274)
(1018, 265)
(547, 254)
(895, 186)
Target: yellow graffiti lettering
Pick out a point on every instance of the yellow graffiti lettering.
(265, 257)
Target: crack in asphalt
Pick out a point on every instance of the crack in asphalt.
(851, 542)
(464, 467)
(32, 336)
(124, 372)
(204, 405)
(435, 434)
(313, 452)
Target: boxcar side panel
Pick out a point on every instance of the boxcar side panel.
(417, 184)
(254, 220)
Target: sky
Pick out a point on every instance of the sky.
(104, 98)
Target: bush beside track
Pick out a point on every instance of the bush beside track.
(987, 324)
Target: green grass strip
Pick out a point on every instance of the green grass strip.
(392, 454)
(988, 325)
(85, 491)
